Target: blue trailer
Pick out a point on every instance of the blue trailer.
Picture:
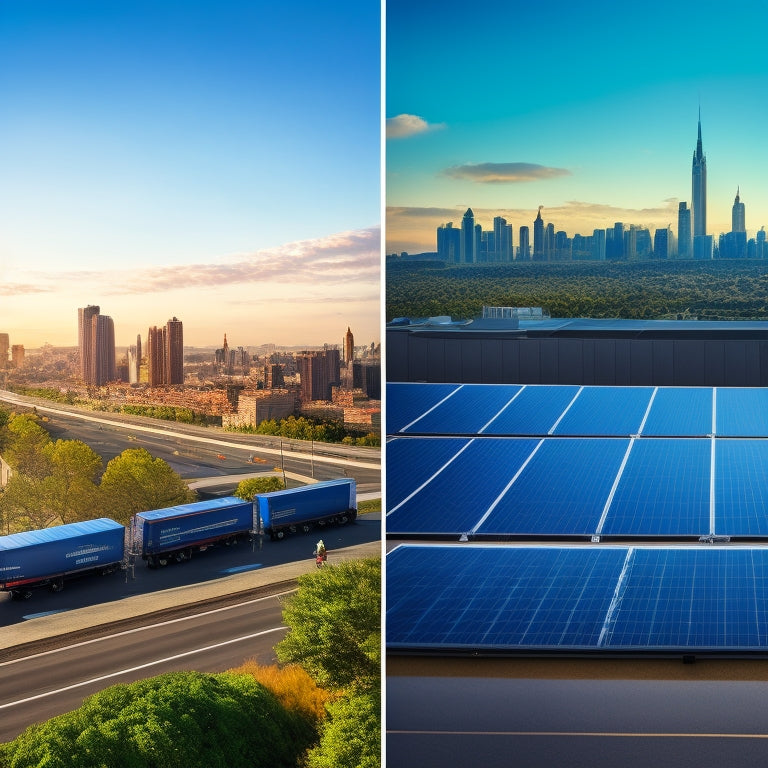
(174, 533)
(299, 509)
(49, 556)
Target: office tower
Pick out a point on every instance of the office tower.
(643, 245)
(630, 242)
(618, 241)
(5, 342)
(737, 215)
(684, 250)
(549, 242)
(349, 346)
(319, 373)
(138, 355)
(17, 356)
(155, 348)
(598, 245)
(502, 235)
(133, 365)
(468, 253)
(84, 343)
(449, 243)
(103, 369)
(524, 249)
(173, 352)
(662, 243)
(538, 237)
(699, 189)
(761, 252)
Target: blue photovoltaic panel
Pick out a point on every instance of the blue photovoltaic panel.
(499, 597)
(742, 412)
(661, 599)
(664, 490)
(534, 411)
(406, 402)
(692, 598)
(412, 461)
(606, 411)
(741, 487)
(456, 499)
(465, 412)
(680, 412)
(562, 490)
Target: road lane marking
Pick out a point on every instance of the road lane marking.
(121, 672)
(145, 627)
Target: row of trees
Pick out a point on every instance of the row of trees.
(320, 710)
(722, 289)
(302, 428)
(65, 481)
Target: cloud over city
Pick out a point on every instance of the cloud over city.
(504, 173)
(402, 126)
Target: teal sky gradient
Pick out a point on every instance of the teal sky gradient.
(139, 136)
(607, 92)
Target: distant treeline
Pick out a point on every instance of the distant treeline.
(707, 290)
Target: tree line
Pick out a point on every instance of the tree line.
(302, 428)
(713, 290)
(65, 481)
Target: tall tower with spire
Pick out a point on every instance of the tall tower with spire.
(699, 188)
(737, 215)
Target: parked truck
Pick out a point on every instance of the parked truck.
(174, 533)
(299, 509)
(49, 556)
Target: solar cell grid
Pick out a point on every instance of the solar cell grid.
(606, 411)
(680, 411)
(741, 487)
(467, 411)
(534, 411)
(406, 402)
(455, 499)
(742, 412)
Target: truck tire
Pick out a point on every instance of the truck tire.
(57, 585)
(162, 561)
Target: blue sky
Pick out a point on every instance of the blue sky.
(217, 161)
(587, 109)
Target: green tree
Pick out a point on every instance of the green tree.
(177, 720)
(247, 489)
(71, 489)
(25, 446)
(334, 620)
(135, 481)
(351, 736)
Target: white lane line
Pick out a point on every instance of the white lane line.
(138, 668)
(145, 627)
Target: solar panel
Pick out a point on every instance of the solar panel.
(606, 411)
(664, 490)
(680, 411)
(455, 499)
(742, 412)
(561, 491)
(466, 411)
(406, 402)
(585, 598)
(534, 411)
(741, 487)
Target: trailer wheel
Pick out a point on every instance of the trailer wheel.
(343, 519)
(181, 556)
(162, 561)
(57, 586)
(279, 534)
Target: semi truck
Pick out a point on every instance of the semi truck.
(49, 556)
(299, 509)
(174, 533)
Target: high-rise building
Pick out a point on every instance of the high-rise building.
(449, 243)
(155, 347)
(502, 236)
(17, 356)
(598, 245)
(103, 369)
(617, 243)
(84, 343)
(538, 237)
(5, 342)
(319, 372)
(349, 346)
(663, 243)
(699, 188)
(173, 352)
(468, 253)
(737, 215)
(761, 249)
(684, 249)
(524, 249)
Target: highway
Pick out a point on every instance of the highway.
(37, 687)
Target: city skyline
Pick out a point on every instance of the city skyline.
(218, 159)
(589, 112)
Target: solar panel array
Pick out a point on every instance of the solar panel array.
(505, 460)
(593, 464)
(591, 598)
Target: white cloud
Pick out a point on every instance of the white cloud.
(402, 126)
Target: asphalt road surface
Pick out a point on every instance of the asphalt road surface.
(535, 723)
(35, 688)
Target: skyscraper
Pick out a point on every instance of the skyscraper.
(173, 358)
(684, 250)
(538, 237)
(699, 188)
(349, 346)
(103, 368)
(155, 356)
(737, 215)
(468, 254)
(84, 344)
(5, 343)
(524, 249)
